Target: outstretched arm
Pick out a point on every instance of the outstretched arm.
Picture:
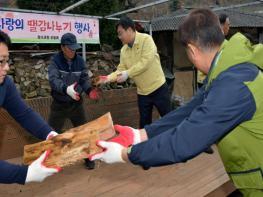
(175, 117)
(24, 115)
(207, 124)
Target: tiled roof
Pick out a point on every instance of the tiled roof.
(248, 16)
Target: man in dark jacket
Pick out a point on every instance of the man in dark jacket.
(68, 78)
(11, 101)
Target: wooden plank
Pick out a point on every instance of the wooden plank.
(224, 190)
(73, 145)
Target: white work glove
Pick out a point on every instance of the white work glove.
(111, 154)
(37, 172)
(122, 76)
(72, 93)
(51, 134)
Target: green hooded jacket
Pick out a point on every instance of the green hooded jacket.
(242, 149)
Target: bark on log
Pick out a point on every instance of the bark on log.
(73, 145)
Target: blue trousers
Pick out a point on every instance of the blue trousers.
(160, 98)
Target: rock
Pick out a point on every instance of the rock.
(107, 56)
(38, 66)
(106, 48)
(31, 94)
(26, 83)
(20, 72)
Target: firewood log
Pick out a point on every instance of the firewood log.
(73, 145)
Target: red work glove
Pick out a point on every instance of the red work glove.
(72, 93)
(127, 136)
(37, 171)
(94, 94)
(104, 79)
(101, 80)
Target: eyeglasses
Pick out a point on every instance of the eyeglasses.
(3, 62)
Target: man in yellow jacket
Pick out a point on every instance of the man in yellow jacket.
(140, 61)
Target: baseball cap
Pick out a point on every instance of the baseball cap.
(70, 41)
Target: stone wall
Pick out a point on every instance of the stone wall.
(30, 74)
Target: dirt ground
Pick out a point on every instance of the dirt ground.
(198, 177)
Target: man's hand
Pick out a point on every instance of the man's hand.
(122, 76)
(51, 135)
(127, 136)
(37, 172)
(72, 93)
(112, 152)
(94, 94)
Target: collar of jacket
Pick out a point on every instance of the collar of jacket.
(236, 51)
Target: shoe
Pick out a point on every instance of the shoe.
(209, 151)
(90, 165)
(146, 167)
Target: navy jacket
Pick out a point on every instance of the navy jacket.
(62, 74)
(188, 131)
(11, 101)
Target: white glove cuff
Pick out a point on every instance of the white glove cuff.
(69, 90)
(29, 175)
(51, 134)
(137, 136)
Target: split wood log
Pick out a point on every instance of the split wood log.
(73, 145)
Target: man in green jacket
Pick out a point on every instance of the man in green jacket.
(227, 110)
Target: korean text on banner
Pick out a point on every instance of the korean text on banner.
(41, 28)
